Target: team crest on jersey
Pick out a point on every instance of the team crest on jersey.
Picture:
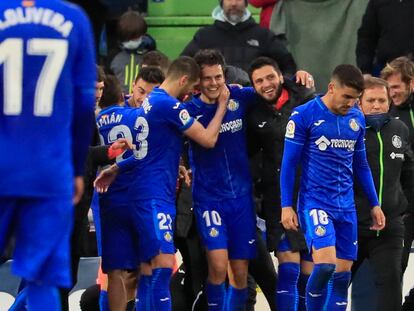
(232, 105)
(213, 232)
(320, 231)
(290, 129)
(396, 141)
(184, 116)
(354, 125)
(168, 236)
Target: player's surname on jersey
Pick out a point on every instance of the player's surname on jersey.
(36, 15)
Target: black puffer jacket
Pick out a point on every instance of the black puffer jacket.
(266, 127)
(386, 33)
(241, 44)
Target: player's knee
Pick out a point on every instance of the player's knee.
(288, 256)
(322, 272)
(115, 275)
(163, 261)
(145, 269)
(239, 279)
(217, 271)
(343, 265)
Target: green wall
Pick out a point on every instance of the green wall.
(173, 22)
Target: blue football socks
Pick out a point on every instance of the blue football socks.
(287, 292)
(338, 299)
(236, 299)
(160, 289)
(317, 285)
(216, 295)
(144, 293)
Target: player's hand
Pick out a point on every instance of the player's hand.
(289, 219)
(305, 78)
(78, 187)
(184, 175)
(119, 147)
(123, 144)
(105, 178)
(378, 218)
(224, 97)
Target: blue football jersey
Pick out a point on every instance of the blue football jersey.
(158, 136)
(116, 122)
(329, 143)
(47, 78)
(222, 172)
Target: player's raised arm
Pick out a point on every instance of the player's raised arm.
(207, 137)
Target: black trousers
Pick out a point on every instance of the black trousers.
(262, 270)
(408, 239)
(384, 254)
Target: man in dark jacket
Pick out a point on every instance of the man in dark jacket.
(266, 127)
(399, 74)
(391, 161)
(385, 33)
(240, 39)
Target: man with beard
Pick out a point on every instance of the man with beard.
(240, 39)
(266, 124)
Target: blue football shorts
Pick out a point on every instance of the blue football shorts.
(119, 236)
(324, 228)
(42, 228)
(228, 224)
(155, 220)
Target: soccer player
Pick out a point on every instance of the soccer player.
(327, 136)
(146, 80)
(222, 186)
(113, 122)
(47, 73)
(159, 144)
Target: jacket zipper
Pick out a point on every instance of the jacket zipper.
(381, 165)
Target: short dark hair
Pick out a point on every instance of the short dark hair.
(372, 82)
(209, 57)
(100, 74)
(112, 93)
(184, 65)
(150, 74)
(131, 25)
(350, 76)
(156, 59)
(402, 65)
(261, 62)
